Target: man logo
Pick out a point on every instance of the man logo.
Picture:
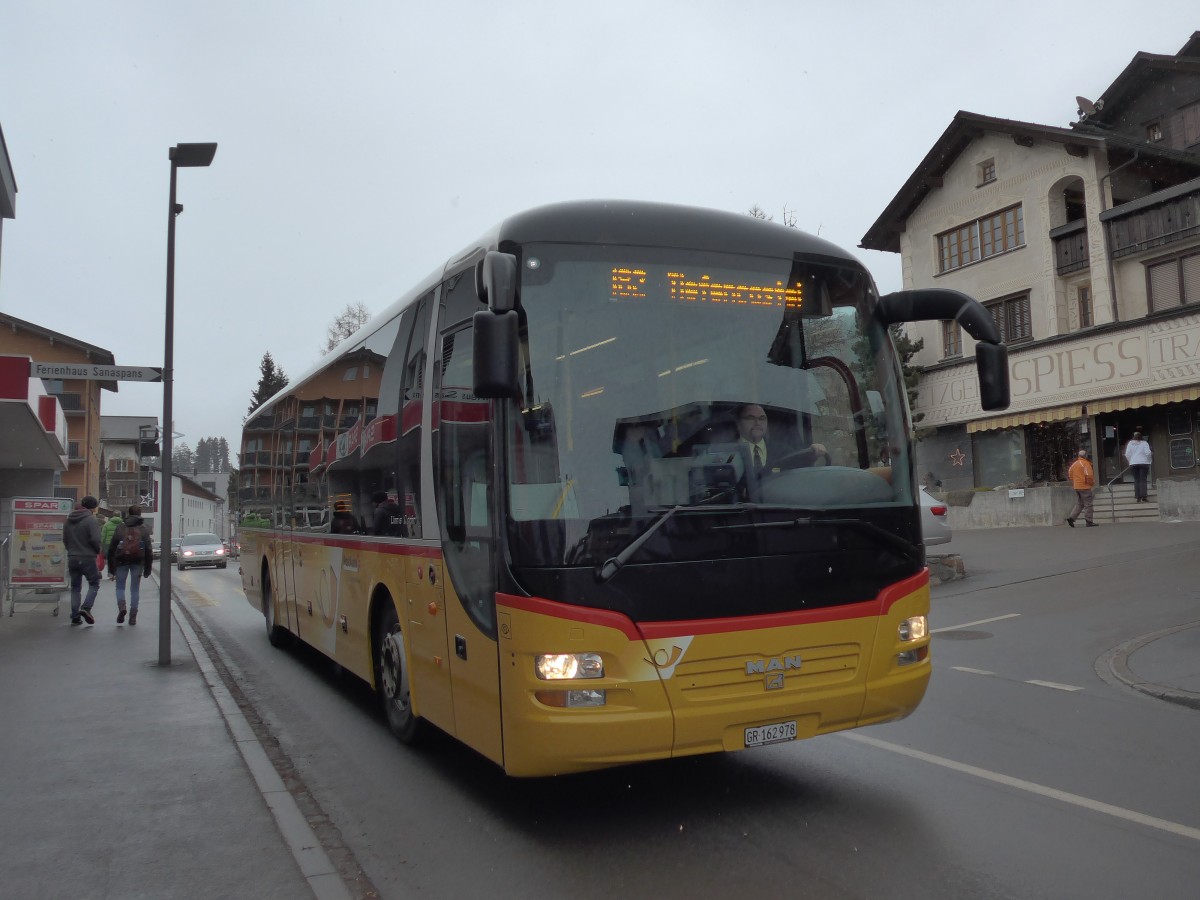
(774, 664)
(775, 682)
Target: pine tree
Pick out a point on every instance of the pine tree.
(182, 458)
(271, 381)
(906, 349)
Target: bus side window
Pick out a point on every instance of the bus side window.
(408, 425)
(464, 464)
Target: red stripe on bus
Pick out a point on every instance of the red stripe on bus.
(352, 543)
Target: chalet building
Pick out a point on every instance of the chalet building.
(1084, 243)
(315, 444)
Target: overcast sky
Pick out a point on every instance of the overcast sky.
(362, 143)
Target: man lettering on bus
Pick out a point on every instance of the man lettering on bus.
(389, 517)
(765, 456)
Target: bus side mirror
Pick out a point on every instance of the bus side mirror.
(991, 362)
(496, 365)
(931, 304)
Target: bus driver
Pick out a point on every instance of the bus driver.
(752, 430)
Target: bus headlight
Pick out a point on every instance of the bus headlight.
(559, 666)
(915, 628)
(566, 666)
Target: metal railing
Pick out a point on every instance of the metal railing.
(5, 587)
(1112, 498)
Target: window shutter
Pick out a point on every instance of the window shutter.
(1164, 285)
(1021, 323)
(1191, 278)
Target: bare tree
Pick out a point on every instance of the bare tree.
(789, 215)
(348, 321)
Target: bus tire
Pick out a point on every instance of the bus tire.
(391, 676)
(277, 635)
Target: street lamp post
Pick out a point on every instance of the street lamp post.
(185, 155)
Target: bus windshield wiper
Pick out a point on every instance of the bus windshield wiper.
(612, 566)
(909, 549)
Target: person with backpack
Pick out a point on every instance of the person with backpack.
(130, 556)
(106, 534)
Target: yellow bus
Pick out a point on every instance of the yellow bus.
(621, 481)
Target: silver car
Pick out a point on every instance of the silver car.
(201, 549)
(933, 520)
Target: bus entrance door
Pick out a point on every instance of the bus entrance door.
(284, 551)
(432, 693)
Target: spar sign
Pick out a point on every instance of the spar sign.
(38, 556)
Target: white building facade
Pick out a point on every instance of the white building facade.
(1084, 243)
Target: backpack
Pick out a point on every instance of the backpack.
(130, 547)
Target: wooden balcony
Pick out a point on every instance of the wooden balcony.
(1070, 247)
(1156, 220)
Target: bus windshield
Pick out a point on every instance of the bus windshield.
(738, 391)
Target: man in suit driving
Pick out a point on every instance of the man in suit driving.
(753, 428)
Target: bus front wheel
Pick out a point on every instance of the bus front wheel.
(391, 676)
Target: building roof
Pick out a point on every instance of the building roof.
(1094, 130)
(966, 128)
(8, 183)
(125, 428)
(1143, 70)
(91, 351)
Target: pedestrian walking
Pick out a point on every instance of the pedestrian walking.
(1083, 479)
(130, 555)
(1139, 454)
(106, 533)
(81, 537)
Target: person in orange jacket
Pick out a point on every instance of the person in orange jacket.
(1083, 479)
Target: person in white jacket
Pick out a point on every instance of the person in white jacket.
(1139, 454)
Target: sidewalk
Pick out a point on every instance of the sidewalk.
(121, 776)
(1164, 664)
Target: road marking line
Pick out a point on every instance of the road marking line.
(972, 671)
(980, 622)
(1055, 685)
(1107, 809)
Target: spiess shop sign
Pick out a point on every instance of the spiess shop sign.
(1151, 357)
(94, 371)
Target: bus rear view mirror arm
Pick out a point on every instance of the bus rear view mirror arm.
(496, 281)
(939, 304)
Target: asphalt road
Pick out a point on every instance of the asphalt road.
(1026, 772)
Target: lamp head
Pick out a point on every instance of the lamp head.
(193, 155)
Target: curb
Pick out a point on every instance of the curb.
(315, 865)
(1116, 661)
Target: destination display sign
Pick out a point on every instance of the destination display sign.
(94, 371)
(629, 282)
